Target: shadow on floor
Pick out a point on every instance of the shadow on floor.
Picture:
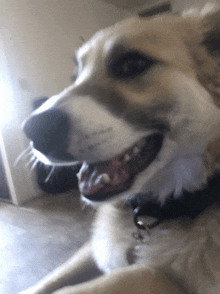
(38, 237)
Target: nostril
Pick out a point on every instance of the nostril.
(48, 130)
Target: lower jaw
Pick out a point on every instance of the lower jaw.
(93, 184)
(102, 196)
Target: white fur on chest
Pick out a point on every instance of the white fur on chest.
(187, 251)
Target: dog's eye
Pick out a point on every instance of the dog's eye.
(130, 65)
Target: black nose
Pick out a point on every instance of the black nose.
(48, 130)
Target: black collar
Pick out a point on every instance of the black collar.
(188, 205)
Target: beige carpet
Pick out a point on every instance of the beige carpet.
(38, 237)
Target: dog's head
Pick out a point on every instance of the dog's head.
(142, 110)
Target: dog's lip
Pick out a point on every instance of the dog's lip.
(57, 158)
(101, 180)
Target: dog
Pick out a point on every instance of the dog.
(143, 118)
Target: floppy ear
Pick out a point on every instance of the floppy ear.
(211, 27)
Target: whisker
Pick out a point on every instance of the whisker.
(34, 164)
(30, 160)
(22, 155)
(28, 155)
(50, 174)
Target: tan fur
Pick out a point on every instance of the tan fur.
(183, 89)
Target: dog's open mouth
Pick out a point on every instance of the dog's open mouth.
(98, 181)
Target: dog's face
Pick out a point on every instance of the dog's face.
(139, 115)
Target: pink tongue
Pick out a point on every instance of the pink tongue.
(110, 176)
(98, 181)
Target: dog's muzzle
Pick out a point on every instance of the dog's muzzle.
(49, 133)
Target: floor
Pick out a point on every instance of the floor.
(38, 237)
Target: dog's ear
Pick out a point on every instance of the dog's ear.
(211, 33)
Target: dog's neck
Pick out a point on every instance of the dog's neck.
(188, 205)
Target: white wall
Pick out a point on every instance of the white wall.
(40, 38)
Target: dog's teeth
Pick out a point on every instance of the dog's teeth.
(78, 176)
(106, 178)
(127, 157)
(140, 223)
(136, 150)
